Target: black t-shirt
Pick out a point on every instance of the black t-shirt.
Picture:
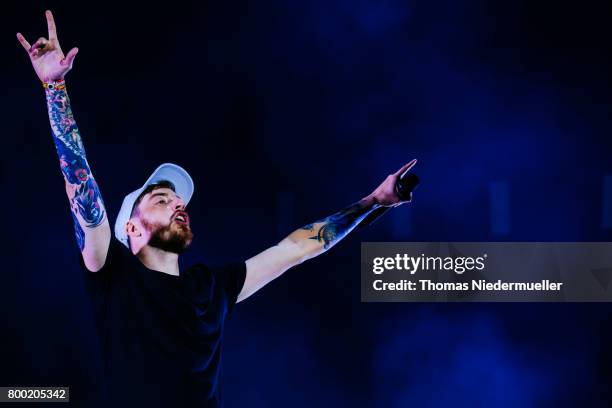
(161, 334)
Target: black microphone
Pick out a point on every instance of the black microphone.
(404, 186)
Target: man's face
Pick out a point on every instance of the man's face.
(162, 213)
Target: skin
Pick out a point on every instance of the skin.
(156, 215)
(313, 239)
(92, 230)
(157, 211)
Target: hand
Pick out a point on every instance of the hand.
(385, 194)
(46, 54)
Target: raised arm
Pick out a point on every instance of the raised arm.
(91, 225)
(314, 239)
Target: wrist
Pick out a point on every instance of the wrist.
(370, 202)
(52, 84)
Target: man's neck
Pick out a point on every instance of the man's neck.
(159, 260)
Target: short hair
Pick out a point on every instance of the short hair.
(150, 187)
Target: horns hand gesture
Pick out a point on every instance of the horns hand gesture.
(46, 54)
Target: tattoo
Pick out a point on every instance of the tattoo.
(337, 226)
(78, 232)
(86, 200)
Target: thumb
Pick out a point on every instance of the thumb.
(67, 61)
(405, 168)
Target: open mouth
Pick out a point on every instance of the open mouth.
(181, 217)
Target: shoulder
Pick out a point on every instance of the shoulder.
(116, 255)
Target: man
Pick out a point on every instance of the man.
(161, 327)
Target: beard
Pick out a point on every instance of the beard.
(174, 237)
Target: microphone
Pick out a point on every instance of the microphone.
(404, 186)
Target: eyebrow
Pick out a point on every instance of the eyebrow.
(152, 196)
(157, 194)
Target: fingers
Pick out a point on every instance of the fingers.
(23, 42)
(405, 168)
(37, 46)
(51, 26)
(67, 61)
(40, 43)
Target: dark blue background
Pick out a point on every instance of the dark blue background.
(285, 112)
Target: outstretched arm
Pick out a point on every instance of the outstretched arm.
(314, 239)
(91, 225)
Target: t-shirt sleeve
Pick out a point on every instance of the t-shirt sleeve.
(100, 281)
(230, 279)
(98, 284)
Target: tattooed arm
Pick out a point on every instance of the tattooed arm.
(91, 226)
(314, 239)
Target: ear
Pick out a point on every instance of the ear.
(132, 229)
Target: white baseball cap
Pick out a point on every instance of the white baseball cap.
(183, 187)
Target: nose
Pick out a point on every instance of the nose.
(178, 204)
